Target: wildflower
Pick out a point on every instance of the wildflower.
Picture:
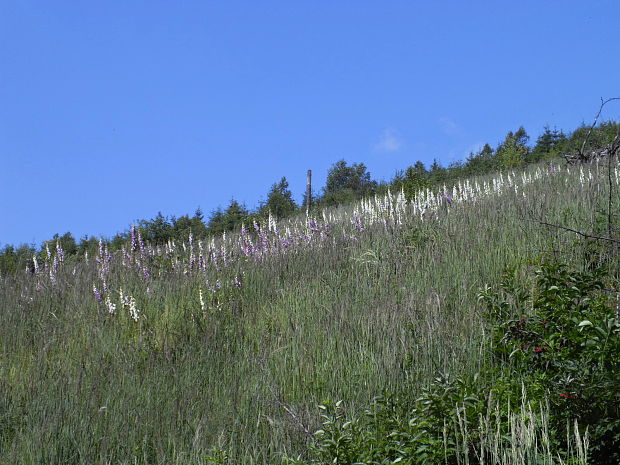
(539, 349)
(134, 239)
(97, 294)
(237, 282)
(566, 396)
(140, 241)
(202, 301)
(111, 306)
(133, 311)
(359, 224)
(59, 252)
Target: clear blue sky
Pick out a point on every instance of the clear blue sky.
(112, 111)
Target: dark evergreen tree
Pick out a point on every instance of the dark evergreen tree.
(438, 173)
(347, 183)
(228, 220)
(548, 145)
(414, 179)
(279, 201)
(482, 162)
(158, 230)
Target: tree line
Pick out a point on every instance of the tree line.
(345, 183)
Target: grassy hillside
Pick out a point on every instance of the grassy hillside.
(221, 351)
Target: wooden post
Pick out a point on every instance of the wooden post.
(308, 192)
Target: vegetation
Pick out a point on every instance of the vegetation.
(345, 184)
(440, 323)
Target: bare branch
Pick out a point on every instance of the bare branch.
(278, 400)
(600, 110)
(580, 233)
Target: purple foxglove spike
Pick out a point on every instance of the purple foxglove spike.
(134, 239)
(97, 294)
(59, 252)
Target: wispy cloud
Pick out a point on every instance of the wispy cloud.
(473, 148)
(449, 127)
(389, 141)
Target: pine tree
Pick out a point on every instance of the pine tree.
(279, 200)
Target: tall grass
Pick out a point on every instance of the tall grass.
(292, 314)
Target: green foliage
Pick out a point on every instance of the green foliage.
(67, 242)
(482, 162)
(513, 152)
(346, 183)
(438, 174)
(558, 339)
(566, 336)
(414, 179)
(16, 259)
(279, 201)
(230, 378)
(600, 136)
(228, 220)
(550, 144)
(157, 230)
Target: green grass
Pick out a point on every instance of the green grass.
(343, 320)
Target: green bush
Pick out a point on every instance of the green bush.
(555, 347)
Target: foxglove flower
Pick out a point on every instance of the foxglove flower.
(97, 294)
(202, 301)
(134, 239)
(133, 311)
(59, 252)
(111, 306)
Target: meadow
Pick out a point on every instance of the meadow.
(222, 350)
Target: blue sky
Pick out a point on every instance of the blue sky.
(112, 111)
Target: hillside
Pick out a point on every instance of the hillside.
(221, 350)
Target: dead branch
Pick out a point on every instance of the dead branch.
(580, 233)
(600, 110)
(278, 400)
